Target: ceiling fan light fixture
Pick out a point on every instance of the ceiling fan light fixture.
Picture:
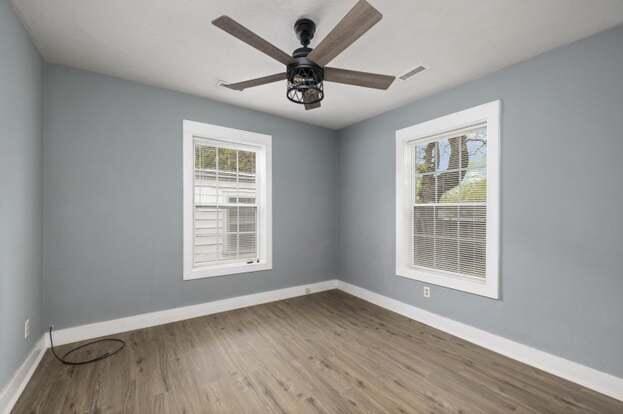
(305, 83)
(307, 69)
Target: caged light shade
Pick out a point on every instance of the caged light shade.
(305, 84)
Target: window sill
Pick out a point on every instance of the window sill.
(467, 284)
(226, 269)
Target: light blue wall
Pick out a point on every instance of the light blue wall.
(21, 117)
(562, 255)
(113, 199)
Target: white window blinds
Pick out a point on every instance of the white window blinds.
(225, 209)
(449, 199)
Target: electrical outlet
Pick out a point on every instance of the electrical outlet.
(426, 292)
(27, 329)
(307, 291)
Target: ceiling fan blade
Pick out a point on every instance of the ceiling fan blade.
(311, 96)
(239, 86)
(353, 77)
(352, 26)
(242, 33)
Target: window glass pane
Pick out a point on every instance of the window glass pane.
(205, 193)
(231, 224)
(424, 220)
(207, 254)
(423, 251)
(246, 177)
(450, 151)
(205, 157)
(227, 159)
(472, 188)
(446, 222)
(476, 144)
(208, 241)
(473, 222)
(425, 188)
(246, 162)
(230, 249)
(446, 183)
(426, 157)
(472, 256)
(446, 254)
(247, 219)
(248, 245)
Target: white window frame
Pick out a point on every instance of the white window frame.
(231, 137)
(489, 113)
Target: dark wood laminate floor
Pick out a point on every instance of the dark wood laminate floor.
(323, 353)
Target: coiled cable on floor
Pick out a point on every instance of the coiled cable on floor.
(97, 358)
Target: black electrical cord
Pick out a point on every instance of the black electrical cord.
(98, 358)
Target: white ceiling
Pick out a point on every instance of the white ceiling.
(172, 44)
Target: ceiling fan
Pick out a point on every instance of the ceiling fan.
(306, 69)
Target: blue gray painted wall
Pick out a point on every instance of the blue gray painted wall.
(562, 140)
(21, 115)
(113, 199)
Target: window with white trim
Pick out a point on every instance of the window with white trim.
(447, 186)
(227, 194)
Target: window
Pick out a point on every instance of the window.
(447, 207)
(227, 201)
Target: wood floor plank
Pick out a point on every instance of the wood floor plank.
(323, 353)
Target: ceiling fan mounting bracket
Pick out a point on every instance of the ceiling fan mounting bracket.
(305, 30)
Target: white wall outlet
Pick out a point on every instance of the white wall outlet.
(27, 329)
(307, 291)
(426, 292)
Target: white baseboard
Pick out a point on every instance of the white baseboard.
(572, 371)
(146, 320)
(11, 392)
